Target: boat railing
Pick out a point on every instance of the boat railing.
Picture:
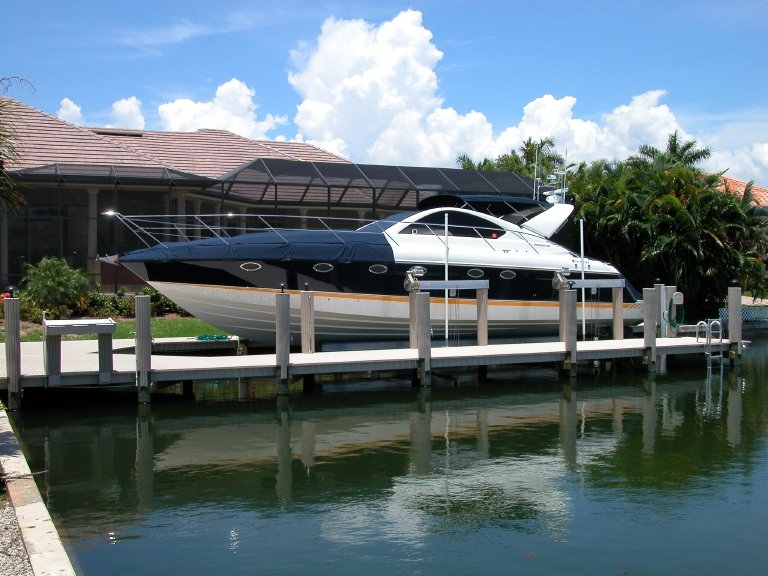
(153, 229)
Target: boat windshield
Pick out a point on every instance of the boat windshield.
(384, 223)
(463, 224)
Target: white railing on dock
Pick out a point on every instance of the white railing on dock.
(711, 333)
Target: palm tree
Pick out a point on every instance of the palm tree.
(466, 163)
(604, 197)
(677, 152)
(749, 236)
(540, 157)
(530, 160)
(512, 162)
(656, 215)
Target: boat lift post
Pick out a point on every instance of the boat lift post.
(668, 302)
(661, 295)
(734, 324)
(568, 313)
(143, 347)
(282, 339)
(561, 281)
(650, 326)
(569, 329)
(307, 321)
(421, 337)
(308, 331)
(415, 284)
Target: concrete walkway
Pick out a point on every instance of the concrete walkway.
(43, 546)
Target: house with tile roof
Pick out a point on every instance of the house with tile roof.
(759, 194)
(71, 177)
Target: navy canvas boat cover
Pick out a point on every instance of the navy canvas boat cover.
(270, 245)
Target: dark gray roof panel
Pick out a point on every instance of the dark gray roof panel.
(297, 182)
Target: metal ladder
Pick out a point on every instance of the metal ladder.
(712, 332)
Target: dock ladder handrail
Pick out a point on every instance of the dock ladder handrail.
(713, 335)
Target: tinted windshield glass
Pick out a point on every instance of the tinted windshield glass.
(459, 224)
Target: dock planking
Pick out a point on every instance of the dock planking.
(80, 359)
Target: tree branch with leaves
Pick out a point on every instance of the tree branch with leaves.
(10, 197)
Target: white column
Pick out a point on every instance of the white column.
(197, 207)
(243, 220)
(181, 211)
(93, 266)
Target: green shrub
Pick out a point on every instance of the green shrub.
(30, 312)
(124, 305)
(100, 304)
(161, 305)
(54, 286)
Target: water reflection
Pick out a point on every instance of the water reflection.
(403, 467)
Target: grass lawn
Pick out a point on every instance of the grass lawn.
(162, 327)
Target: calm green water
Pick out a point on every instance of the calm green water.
(623, 475)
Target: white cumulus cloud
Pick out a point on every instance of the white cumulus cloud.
(70, 112)
(371, 93)
(368, 86)
(127, 113)
(232, 108)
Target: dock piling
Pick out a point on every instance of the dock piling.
(307, 322)
(421, 337)
(282, 340)
(12, 311)
(662, 322)
(143, 346)
(650, 325)
(308, 333)
(617, 294)
(482, 316)
(569, 330)
(734, 324)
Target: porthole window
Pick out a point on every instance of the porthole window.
(322, 267)
(250, 266)
(475, 273)
(507, 274)
(377, 269)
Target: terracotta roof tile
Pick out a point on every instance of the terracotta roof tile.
(211, 153)
(759, 194)
(44, 139)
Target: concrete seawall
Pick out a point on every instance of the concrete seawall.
(39, 535)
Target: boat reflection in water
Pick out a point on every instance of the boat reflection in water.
(622, 475)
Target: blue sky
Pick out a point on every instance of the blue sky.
(414, 83)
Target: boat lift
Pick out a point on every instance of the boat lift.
(413, 283)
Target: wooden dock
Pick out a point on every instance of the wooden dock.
(80, 360)
(57, 363)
